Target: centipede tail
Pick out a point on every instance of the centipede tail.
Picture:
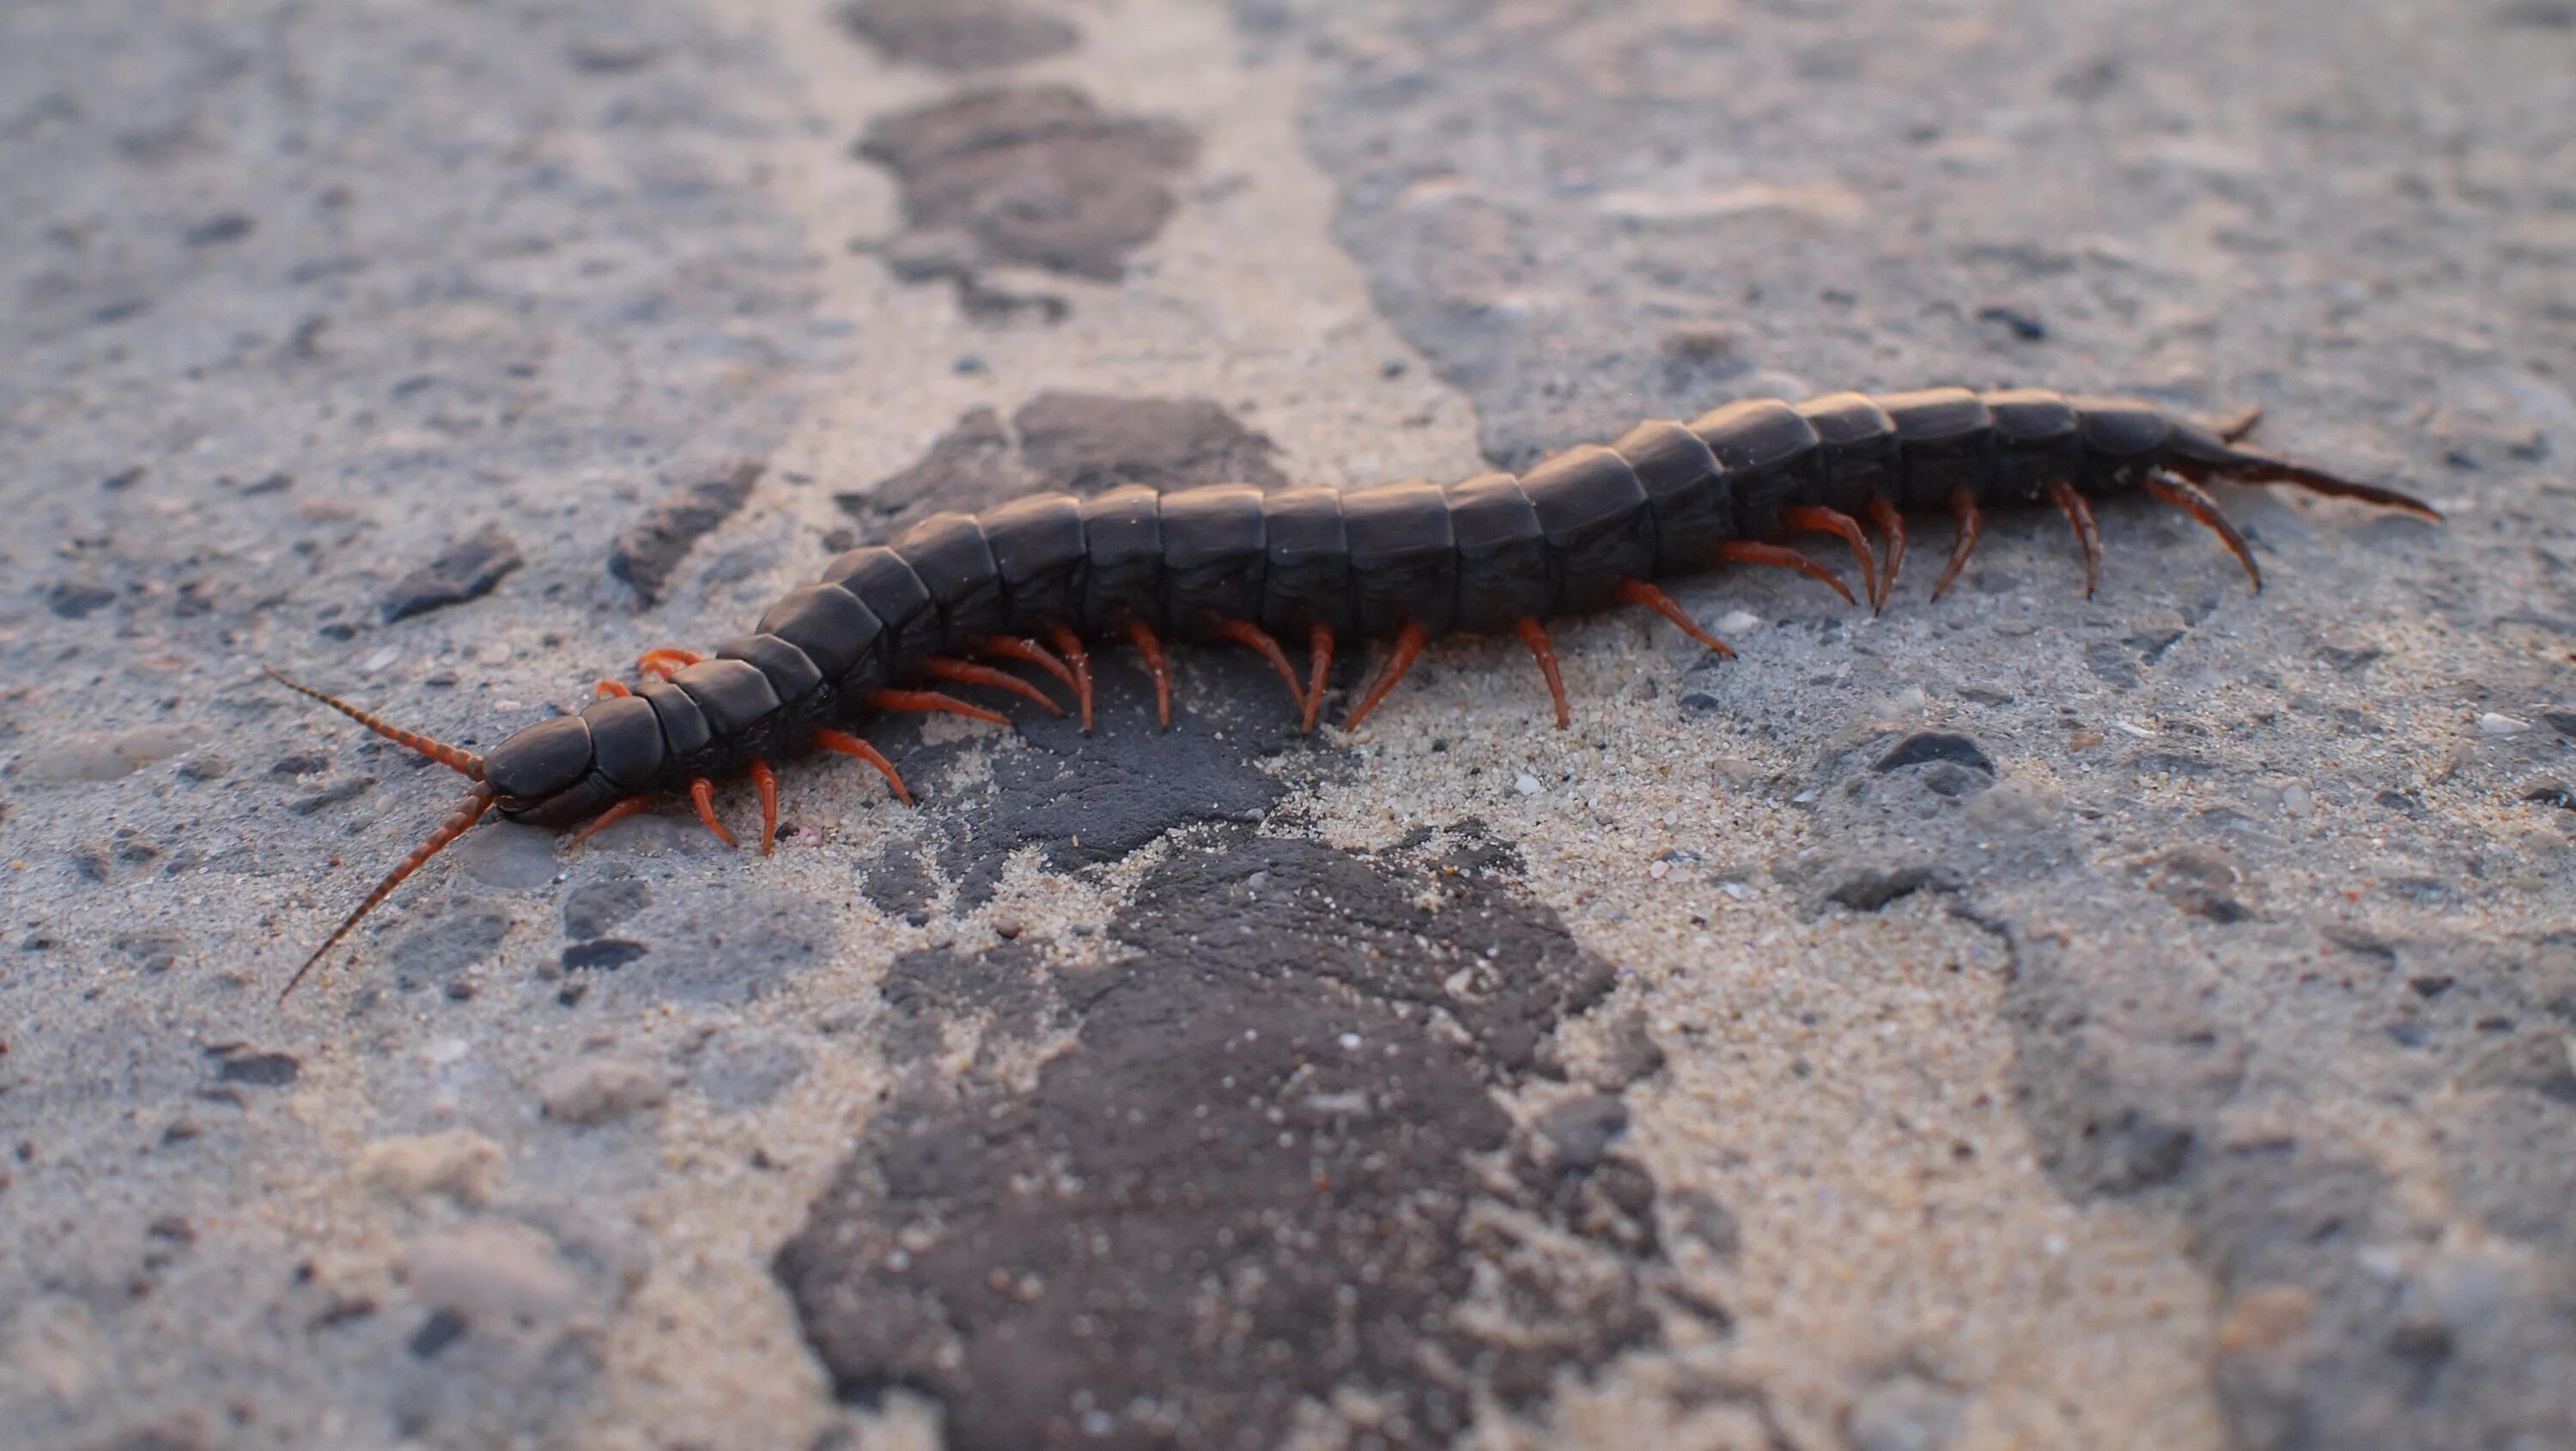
(1038, 580)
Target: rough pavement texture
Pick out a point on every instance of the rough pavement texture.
(2016, 1021)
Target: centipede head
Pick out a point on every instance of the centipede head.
(458, 822)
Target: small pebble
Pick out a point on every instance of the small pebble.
(596, 1090)
(2023, 323)
(1527, 784)
(2501, 725)
(492, 1268)
(458, 1163)
(1738, 622)
(1581, 1129)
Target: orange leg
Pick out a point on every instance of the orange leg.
(1013, 647)
(931, 700)
(765, 781)
(666, 662)
(1152, 649)
(1892, 524)
(1811, 518)
(966, 672)
(609, 818)
(608, 690)
(458, 822)
(702, 794)
(1319, 666)
(2088, 535)
(2187, 496)
(1069, 645)
(1534, 635)
(464, 762)
(1972, 524)
(850, 745)
(1408, 644)
(1745, 551)
(1638, 592)
(1244, 632)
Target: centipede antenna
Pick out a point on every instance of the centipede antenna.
(463, 762)
(458, 822)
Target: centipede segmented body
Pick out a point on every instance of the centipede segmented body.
(1407, 562)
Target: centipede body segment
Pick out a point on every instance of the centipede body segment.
(1039, 580)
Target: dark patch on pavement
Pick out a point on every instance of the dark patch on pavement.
(607, 954)
(1086, 800)
(1925, 747)
(1083, 442)
(970, 468)
(1249, 1184)
(1088, 442)
(239, 1063)
(465, 570)
(1033, 176)
(958, 35)
(592, 908)
(651, 548)
(74, 599)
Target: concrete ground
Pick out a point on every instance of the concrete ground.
(2016, 1021)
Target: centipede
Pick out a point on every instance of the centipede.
(1036, 583)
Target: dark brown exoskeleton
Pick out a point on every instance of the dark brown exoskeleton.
(1405, 562)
